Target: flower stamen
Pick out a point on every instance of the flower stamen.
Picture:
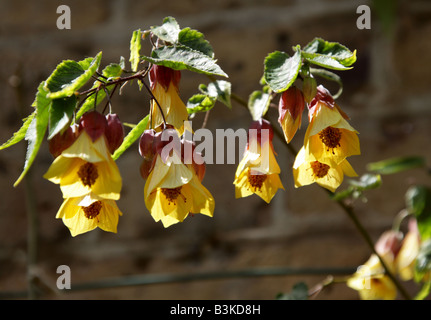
(320, 170)
(88, 174)
(330, 137)
(256, 180)
(172, 194)
(93, 210)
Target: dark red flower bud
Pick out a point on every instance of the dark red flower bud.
(290, 109)
(146, 167)
(164, 76)
(260, 125)
(94, 123)
(114, 132)
(147, 147)
(63, 140)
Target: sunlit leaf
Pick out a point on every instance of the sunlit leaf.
(135, 49)
(20, 134)
(397, 164)
(131, 137)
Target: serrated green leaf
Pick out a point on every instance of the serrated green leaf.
(135, 49)
(220, 90)
(111, 71)
(280, 70)
(131, 137)
(37, 128)
(183, 58)
(196, 41)
(70, 75)
(61, 114)
(418, 202)
(397, 164)
(258, 104)
(168, 31)
(200, 103)
(320, 50)
(20, 134)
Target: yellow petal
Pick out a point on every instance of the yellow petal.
(203, 201)
(88, 150)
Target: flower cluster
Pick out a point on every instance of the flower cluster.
(399, 253)
(89, 178)
(329, 139)
(173, 170)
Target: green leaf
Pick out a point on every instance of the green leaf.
(61, 114)
(37, 128)
(418, 202)
(331, 55)
(135, 49)
(220, 90)
(367, 181)
(111, 71)
(183, 58)
(258, 104)
(280, 70)
(131, 137)
(200, 103)
(168, 31)
(423, 264)
(397, 164)
(299, 292)
(195, 40)
(20, 134)
(70, 75)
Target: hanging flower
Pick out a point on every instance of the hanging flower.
(85, 213)
(173, 189)
(371, 282)
(307, 170)
(87, 165)
(290, 109)
(329, 136)
(258, 172)
(164, 84)
(406, 258)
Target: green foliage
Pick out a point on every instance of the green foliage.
(168, 31)
(20, 134)
(61, 114)
(330, 55)
(131, 137)
(135, 49)
(70, 76)
(258, 104)
(299, 292)
(36, 129)
(180, 57)
(367, 181)
(281, 70)
(200, 103)
(397, 164)
(418, 202)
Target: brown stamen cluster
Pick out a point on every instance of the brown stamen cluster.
(256, 180)
(88, 174)
(172, 194)
(319, 169)
(330, 137)
(93, 210)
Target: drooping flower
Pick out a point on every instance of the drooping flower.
(164, 83)
(290, 109)
(329, 136)
(406, 258)
(258, 171)
(173, 189)
(86, 213)
(87, 165)
(88, 176)
(371, 282)
(307, 170)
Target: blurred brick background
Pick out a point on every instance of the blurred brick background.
(387, 96)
